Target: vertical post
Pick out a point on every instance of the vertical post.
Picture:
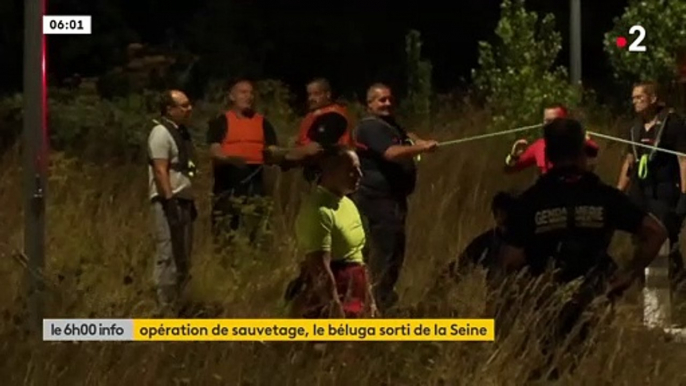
(575, 39)
(34, 154)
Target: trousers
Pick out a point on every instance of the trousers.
(660, 200)
(385, 219)
(246, 207)
(174, 245)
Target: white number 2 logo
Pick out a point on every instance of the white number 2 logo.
(636, 45)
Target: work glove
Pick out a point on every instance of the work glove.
(517, 150)
(681, 206)
(172, 210)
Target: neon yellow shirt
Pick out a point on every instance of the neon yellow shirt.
(328, 223)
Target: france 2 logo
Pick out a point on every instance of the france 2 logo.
(636, 44)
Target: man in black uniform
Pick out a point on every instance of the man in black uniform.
(567, 218)
(386, 155)
(656, 181)
(484, 249)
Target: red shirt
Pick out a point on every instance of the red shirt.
(535, 155)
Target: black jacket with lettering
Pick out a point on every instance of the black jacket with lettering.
(567, 218)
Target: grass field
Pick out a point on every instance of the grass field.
(99, 264)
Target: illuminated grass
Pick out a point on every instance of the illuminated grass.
(100, 254)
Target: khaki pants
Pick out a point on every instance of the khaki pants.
(172, 258)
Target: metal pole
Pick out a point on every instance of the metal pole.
(575, 40)
(35, 153)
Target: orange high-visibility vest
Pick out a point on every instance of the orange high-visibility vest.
(306, 125)
(245, 138)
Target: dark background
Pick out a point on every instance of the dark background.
(352, 43)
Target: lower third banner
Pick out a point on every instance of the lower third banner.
(197, 330)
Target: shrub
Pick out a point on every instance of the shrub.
(417, 103)
(83, 124)
(516, 75)
(665, 26)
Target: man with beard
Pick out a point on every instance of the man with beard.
(326, 124)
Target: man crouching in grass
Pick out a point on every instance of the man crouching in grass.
(334, 280)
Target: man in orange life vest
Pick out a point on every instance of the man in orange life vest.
(242, 142)
(326, 124)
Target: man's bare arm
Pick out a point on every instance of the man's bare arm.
(682, 169)
(275, 155)
(161, 174)
(414, 137)
(624, 179)
(218, 156)
(651, 236)
(398, 152)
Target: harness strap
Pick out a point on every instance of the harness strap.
(645, 159)
(185, 163)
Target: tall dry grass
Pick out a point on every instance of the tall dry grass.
(99, 264)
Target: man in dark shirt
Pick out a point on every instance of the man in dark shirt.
(389, 176)
(655, 180)
(327, 123)
(484, 249)
(567, 218)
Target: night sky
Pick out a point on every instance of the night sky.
(352, 43)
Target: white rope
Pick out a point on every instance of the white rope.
(524, 128)
(489, 135)
(612, 138)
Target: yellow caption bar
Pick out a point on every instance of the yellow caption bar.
(482, 330)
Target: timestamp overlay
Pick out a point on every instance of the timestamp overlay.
(67, 25)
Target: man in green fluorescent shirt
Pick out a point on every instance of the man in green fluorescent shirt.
(334, 279)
